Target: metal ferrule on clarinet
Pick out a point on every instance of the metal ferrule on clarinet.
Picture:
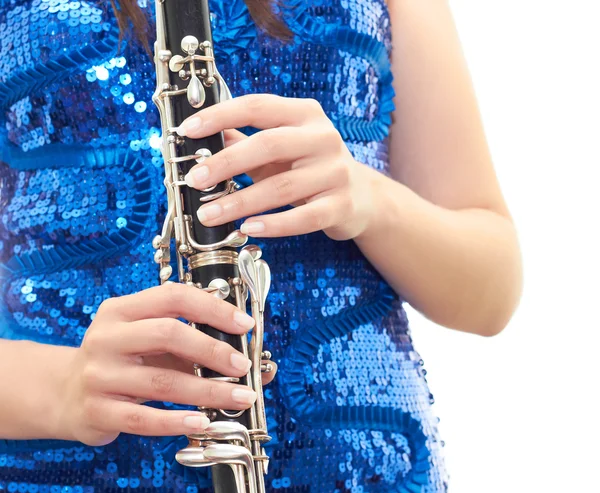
(208, 258)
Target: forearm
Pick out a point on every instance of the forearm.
(30, 386)
(461, 269)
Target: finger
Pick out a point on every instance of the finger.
(267, 378)
(136, 419)
(167, 335)
(276, 191)
(171, 386)
(255, 110)
(320, 214)
(233, 136)
(176, 300)
(285, 144)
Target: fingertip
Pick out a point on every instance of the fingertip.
(192, 127)
(197, 421)
(243, 321)
(267, 378)
(240, 363)
(251, 228)
(243, 395)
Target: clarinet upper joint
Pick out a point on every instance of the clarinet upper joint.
(198, 67)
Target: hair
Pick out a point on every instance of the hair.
(260, 10)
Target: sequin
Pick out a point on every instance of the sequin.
(81, 197)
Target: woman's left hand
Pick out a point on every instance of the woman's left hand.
(297, 158)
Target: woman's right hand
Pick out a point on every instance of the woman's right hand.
(111, 374)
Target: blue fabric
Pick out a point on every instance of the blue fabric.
(81, 197)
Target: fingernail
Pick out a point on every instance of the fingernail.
(243, 320)
(197, 422)
(240, 362)
(252, 228)
(197, 176)
(243, 395)
(209, 212)
(190, 127)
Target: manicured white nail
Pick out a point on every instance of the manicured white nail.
(190, 128)
(196, 422)
(243, 395)
(197, 176)
(253, 227)
(240, 362)
(207, 212)
(243, 320)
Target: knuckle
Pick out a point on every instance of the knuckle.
(213, 351)
(172, 294)
(332, 135)
(348, 205)
(135, 422)
(283, 186)
(342, 174)
(238, 201)
(167, 332)
(107, 307)
(268, 144)
(163, 382)
(253, 102)
(226, 159)
(91, 376)
(92, 339)
(212, 394)
(170, 291)
(217, 308)
(163, 424)
(317, 219)
(313, 105)
(89, 410)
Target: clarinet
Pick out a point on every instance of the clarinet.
(211, 259)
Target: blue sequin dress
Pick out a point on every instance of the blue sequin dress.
(81, 196)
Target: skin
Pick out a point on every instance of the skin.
(439, 231)
(135, 351)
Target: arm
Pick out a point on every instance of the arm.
(460, 268)
(443, 235)
(33, 376)
(136, 350)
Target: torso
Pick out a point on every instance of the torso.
(81, 197)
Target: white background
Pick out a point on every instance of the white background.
(520, 412)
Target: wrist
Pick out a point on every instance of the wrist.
(32, 393)
(383, 194)
(54, 363)
(61, 426)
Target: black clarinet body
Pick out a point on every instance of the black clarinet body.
(192, 18)
(209, 258)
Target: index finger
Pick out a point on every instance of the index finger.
(260, 111)
(176, 300)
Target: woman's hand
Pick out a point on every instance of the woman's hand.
(136, 350)
(298, 158)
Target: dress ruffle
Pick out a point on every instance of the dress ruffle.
(313, 29)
